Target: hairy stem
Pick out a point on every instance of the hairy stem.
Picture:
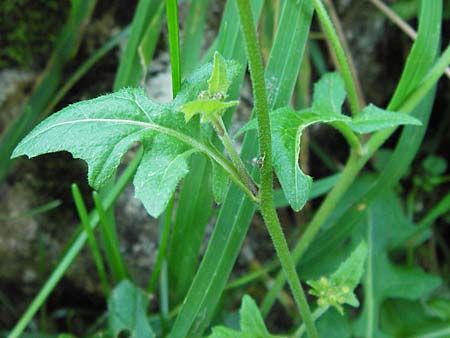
(235, 158)
(267, 206)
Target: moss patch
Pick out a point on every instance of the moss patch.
(28, 29)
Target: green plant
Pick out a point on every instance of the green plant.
(196, 121)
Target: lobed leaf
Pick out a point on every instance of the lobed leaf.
(287, 126)
(100, 131)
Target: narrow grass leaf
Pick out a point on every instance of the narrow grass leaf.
(110, 242)
(84, 217)
(423, 51)
(149, 40)
(33, 212)
(193, 35)
(129, 72)
(174, 44)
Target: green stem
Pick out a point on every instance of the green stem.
(267, 206)
(340, 55)
(352, 139)
(235, 158)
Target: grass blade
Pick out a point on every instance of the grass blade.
(33, 212)
(85, 67)
(164, 240)
(193, 35)
(92, 240)
(111, 242)
(150, 39)
(174, 44)
(130, 71)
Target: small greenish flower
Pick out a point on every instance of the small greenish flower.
(338, 289)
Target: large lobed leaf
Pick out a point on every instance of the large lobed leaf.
(287, 126)
(100, 131)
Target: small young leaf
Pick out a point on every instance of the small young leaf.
(219, 83)
(208, 108)
(127, 311)
(373, 118)
(252, 322)
(435, 165)
(329, 94)
(219, 182)
(338, 289)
